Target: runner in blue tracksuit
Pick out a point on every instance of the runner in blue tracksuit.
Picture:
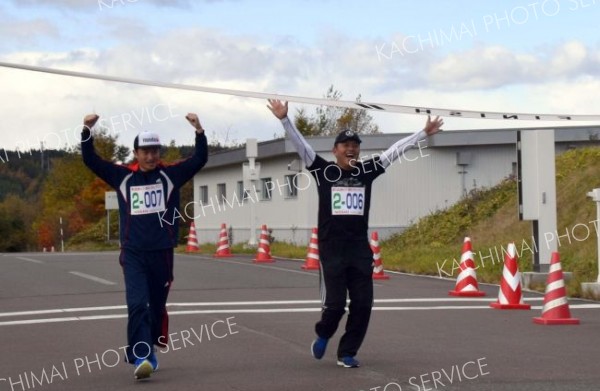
(148, 194)
(344, 188)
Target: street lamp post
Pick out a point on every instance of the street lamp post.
(251, 173)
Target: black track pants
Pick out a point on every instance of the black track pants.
(346, 270)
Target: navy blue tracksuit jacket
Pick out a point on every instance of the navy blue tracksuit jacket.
(149, 216)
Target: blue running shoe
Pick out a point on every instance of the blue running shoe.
(348, 362)
(143, 369)
(318, 347)
(153, 361)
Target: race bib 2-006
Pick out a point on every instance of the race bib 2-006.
(347, 201)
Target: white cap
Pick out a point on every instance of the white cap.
(146, 140)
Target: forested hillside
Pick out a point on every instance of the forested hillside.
(39, 190)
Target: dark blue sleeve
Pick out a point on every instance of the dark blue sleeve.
(107, 171)
(183, 171)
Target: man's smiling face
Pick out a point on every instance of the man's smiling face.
(346, 153)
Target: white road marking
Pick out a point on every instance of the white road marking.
(264, 311)
(62, 310)
(263, 266)
(250, 303)
(409, 300)
(29, 260)
(260, 310)
(93, 278)
(38, 321)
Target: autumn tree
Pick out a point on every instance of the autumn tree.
(330, 120)
(73, 193)
(16, 217)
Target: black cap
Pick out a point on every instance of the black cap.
(346, 135)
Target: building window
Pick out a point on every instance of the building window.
(242, 193)
(291, 191)
(266, 189)
(221, 192)
(203, 195)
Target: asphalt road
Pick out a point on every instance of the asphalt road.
(237, 325)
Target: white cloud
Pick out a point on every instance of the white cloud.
(103, 4)
(16, 31)
(497, 66)
(484, 78)
(569, 59)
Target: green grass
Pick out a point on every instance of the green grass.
(490, 218)
(92, 246)
(278, 249)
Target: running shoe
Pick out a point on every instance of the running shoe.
(348, 362)
(143, 369)
(153, 361)
(318, 347)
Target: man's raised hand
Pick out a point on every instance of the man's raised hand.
(278, 109)
(194, 121)
(432, 127)
(90, 120)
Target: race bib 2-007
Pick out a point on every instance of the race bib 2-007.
(347, 201)
(146, 199)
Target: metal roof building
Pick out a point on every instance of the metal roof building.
(432, 176)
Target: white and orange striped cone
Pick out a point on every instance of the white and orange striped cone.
(556, 308)
(378, 273)
(223, 250)
(509, 295)
(466, 282)
(264, 248)
(312, 261)
(192, 242)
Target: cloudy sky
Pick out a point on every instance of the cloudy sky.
(539, 56)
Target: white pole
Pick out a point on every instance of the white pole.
(62, 243)
(252, 240)
(595, 196)
(250, 176)
(598, 234)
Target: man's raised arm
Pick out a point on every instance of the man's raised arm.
(280, 110)
(102, 168)
(409, 142)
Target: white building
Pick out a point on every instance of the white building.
(432, 177)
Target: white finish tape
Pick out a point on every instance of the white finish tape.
(421, 110)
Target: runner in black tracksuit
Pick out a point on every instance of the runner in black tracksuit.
(346, 258)
(148, 195)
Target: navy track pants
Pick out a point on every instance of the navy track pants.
(148, 278)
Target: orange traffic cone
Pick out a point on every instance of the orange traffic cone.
(223, 250)
(192, 242)
(264, 248)
(466, 282)
(378, 273)
(556, 308)
(312, 261)
(509, 295)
